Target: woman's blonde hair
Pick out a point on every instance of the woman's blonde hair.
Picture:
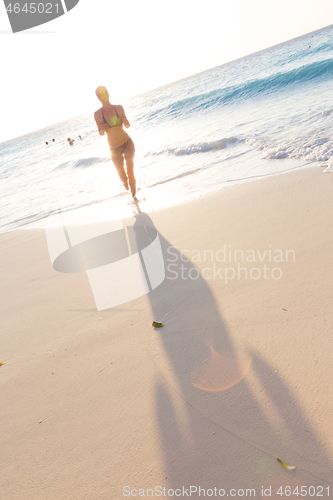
(101, 90)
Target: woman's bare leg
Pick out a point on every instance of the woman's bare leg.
(118, 161)
(129, 158)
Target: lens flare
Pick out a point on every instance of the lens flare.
(220, 372)
(102, 93)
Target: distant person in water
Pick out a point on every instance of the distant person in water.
(70, 141)
(53, 140)
(47, 143)
(80, 137)
(110, 120)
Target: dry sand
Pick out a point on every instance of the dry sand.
(96, 401)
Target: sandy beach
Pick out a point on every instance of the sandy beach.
(100, 405)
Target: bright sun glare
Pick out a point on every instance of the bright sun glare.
(54, 70)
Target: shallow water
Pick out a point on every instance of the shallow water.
(260, 115)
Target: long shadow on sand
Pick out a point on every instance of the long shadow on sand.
(213, 429)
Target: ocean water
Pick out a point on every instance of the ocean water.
(261, 115)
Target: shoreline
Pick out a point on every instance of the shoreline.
(125, 207)
(239, 375)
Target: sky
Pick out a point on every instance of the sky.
(50, 73)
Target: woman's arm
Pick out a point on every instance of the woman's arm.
(100, 126)
(124, 117)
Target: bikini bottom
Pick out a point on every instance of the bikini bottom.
(121, 148)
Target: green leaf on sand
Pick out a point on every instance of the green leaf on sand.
(157, 325)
